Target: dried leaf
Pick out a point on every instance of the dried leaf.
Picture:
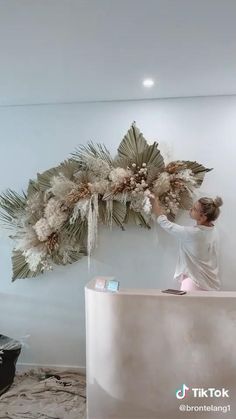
(20, 267)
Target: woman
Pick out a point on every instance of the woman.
(198, 264)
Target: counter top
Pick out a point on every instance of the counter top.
(157, 292)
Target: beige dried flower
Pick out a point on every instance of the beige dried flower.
(34, 256)
(55, 213)
(118, 175)
(35, 204)
(99, 187)
(61, 186)
(42, 229)
(162, 184)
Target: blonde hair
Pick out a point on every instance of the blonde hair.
(210, 207)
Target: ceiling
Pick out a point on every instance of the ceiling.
(62, 51)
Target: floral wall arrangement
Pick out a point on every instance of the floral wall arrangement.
(56, 220)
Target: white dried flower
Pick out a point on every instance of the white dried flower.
(99, 187)
(61, 186)
(162, 184)
(42, 229)
(98, 167)
(54, 214)
(141, 203)
(34, 256)
(137, 202)
(144, 164)
(46, 265)
(35, 203)
(118, 175)
(26, 239)
(147, 192)
(173, 206)
(147, 206)
(82, 208)
(186, 175)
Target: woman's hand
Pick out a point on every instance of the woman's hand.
(157, 209)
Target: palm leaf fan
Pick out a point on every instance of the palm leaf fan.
(72, 255)
(75, 231)
(12, 206)
(97, 151)
(33, 187)
(20, 268)
(67, 168)
(118, 213)
(138, 218)
(135, 149)
(199, 171)
(186, 200)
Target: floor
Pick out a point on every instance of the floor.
(45, 394)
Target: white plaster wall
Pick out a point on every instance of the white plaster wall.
(51, 308)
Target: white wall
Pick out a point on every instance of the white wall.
(51, 308)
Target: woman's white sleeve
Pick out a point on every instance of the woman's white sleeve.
(180, 232)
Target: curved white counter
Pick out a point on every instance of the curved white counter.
(143, 345)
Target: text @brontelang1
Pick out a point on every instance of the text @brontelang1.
(206, 395)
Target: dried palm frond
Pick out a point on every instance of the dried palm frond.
(132, 145)
(20, 267)
(139, 219)
(83, 177)
(76, 231)
(44, 179)
(68, 168)
(68, 255)
(186, 200)
(198, 170)
(135, 149)
(33, 188)
(118, 213)
(12, 207)
(98, 151)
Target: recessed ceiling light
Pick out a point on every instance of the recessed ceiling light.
(148, 82)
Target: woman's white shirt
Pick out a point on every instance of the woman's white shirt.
(198, 252)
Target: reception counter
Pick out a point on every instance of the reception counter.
(143, 346)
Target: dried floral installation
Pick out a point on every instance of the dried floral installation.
(56, 221)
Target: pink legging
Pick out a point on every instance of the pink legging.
(187, 284)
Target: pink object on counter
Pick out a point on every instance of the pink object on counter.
(187, 284)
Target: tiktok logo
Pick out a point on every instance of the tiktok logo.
(181, 394)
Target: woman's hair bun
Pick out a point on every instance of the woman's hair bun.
(218, 201)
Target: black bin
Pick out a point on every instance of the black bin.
(9, 353)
